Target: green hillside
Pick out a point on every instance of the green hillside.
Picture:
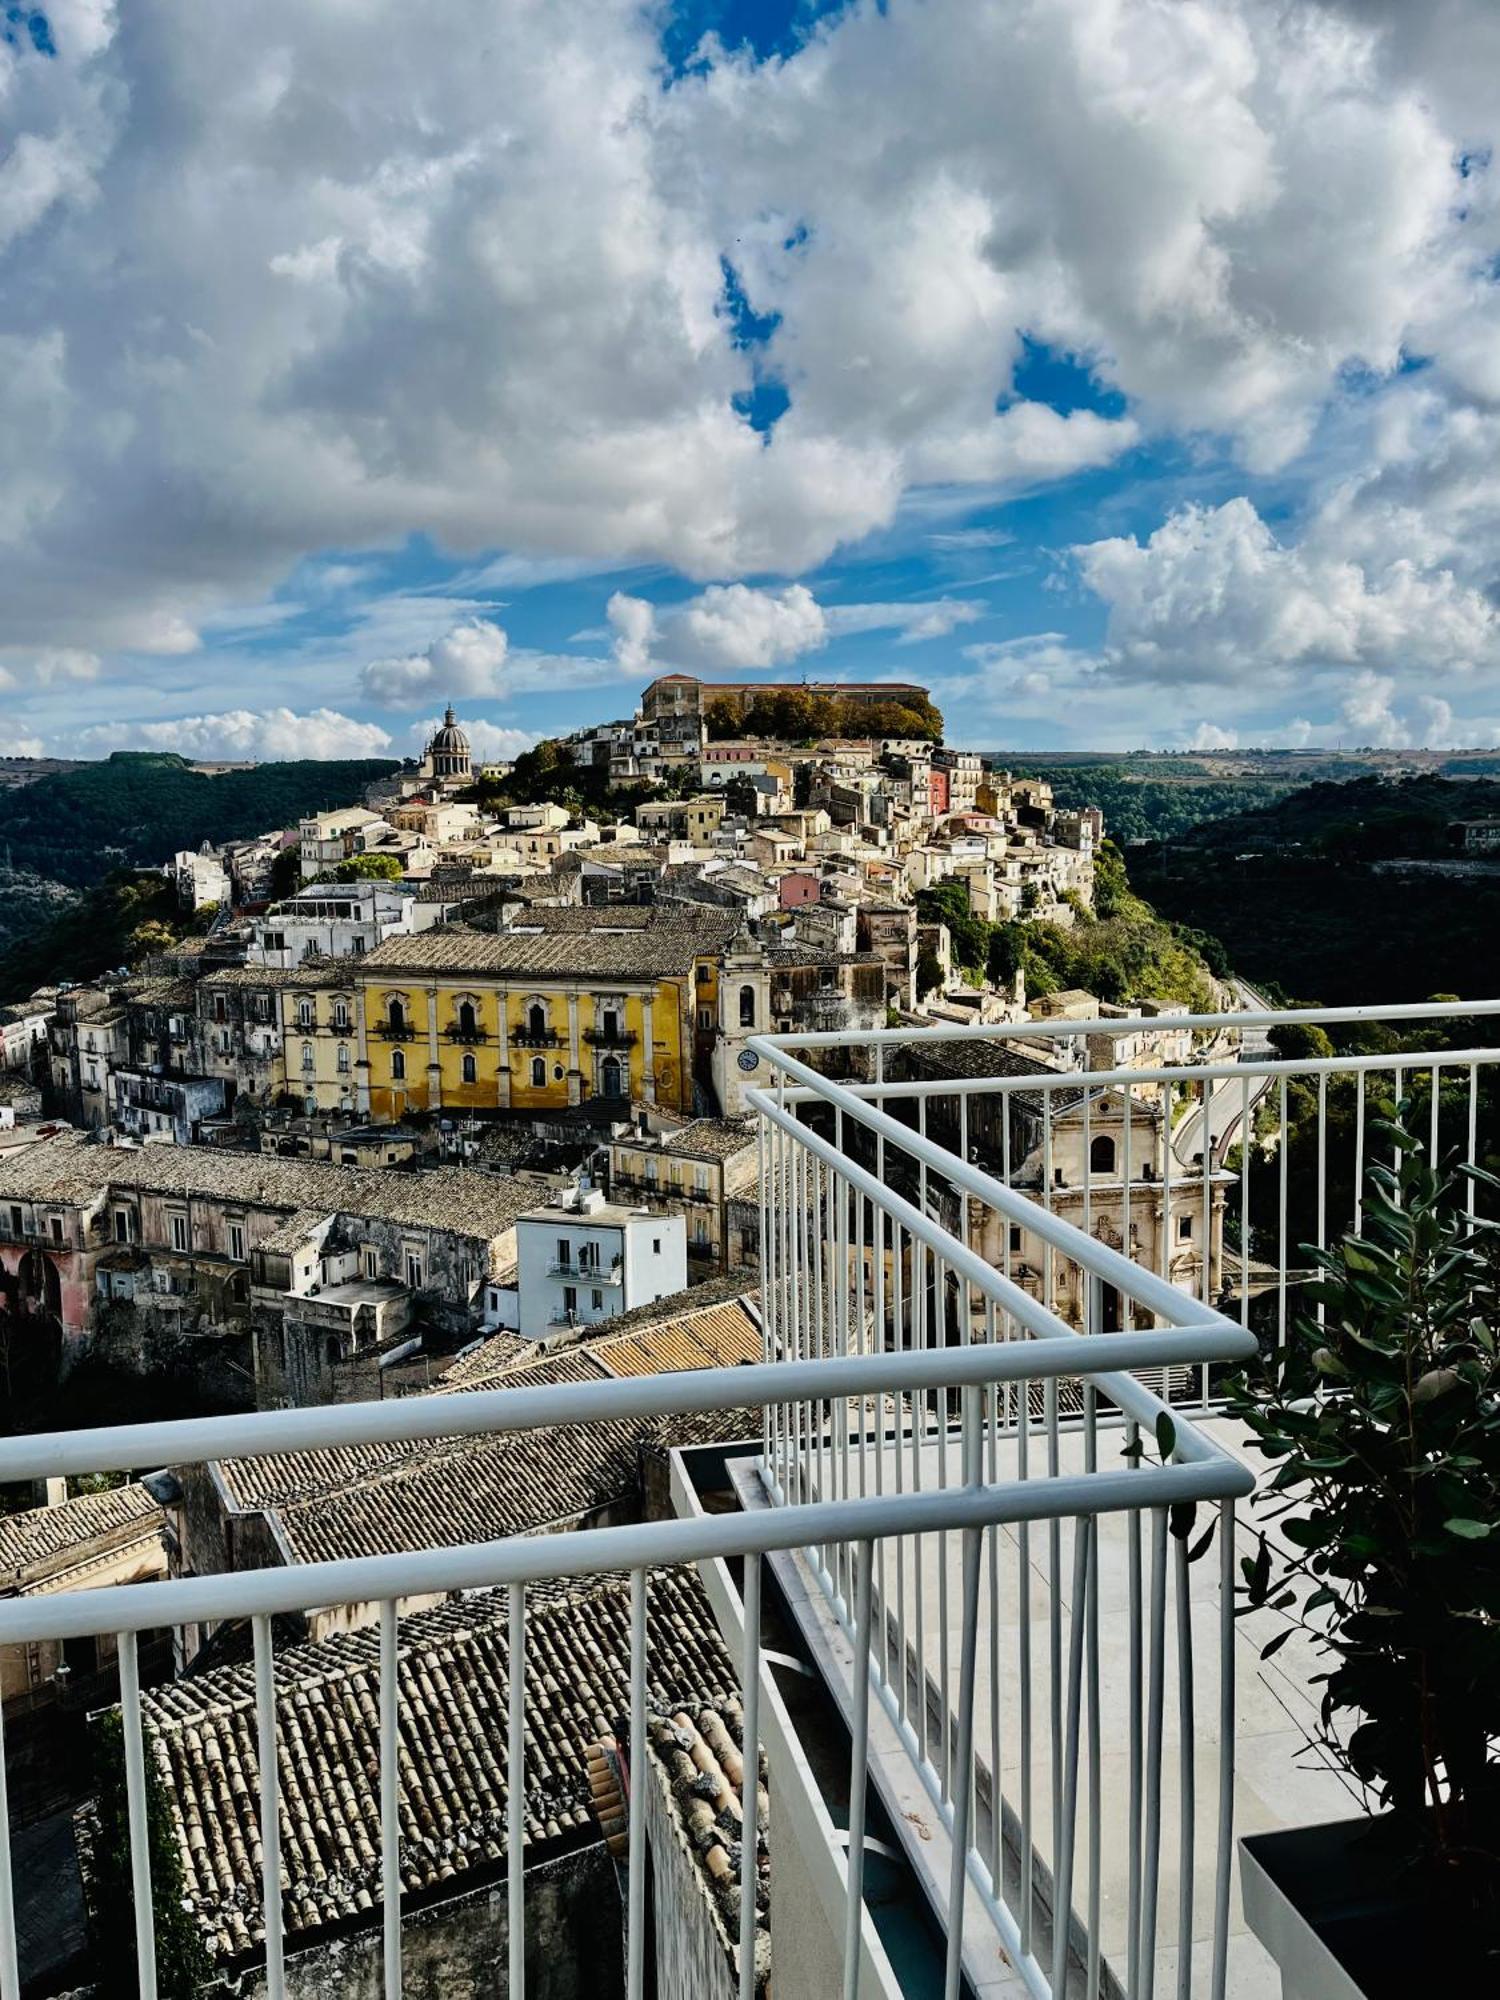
(1342, 893)
(138, 807)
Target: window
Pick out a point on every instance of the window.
(371, 1262)
(219, 1013)
(304, 1013)
(700, 1179)
(237, 1242)
(570, 1300)
(1102, 1155)
(17, 1221)
(359, 943)
(414, 1270)
(396, 1016)
(564, 1250)
(308, 1059)
(470, 1070)
(557, 1072)
(57, 1229)
(610, 1024)
(538, 1072)
(343, 1058)
(536, 1021)
(1184, 1228)
(122, 1225)
(1015, 1239)
(398, 1066)
(700, 1229)
(656, 1246)
(609, 1077)
(179, 1232)
(341, 1013)
(705, 1017)
(702, 975)
(747, 1006)
(466, 1020)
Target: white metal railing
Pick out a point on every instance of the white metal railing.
(1197, 1472)
(878, 1238)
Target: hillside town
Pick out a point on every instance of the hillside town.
(444, 1091)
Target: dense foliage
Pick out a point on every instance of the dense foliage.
(1382, 1417)
(796, 715)
(1150, 798)
(1343, 893)
(118, 923)
(139, 807)
(1121, 950)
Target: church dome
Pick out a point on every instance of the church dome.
(448, 752)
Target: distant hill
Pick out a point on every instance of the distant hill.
(1342, 893)
(62, 835)
(139, 807)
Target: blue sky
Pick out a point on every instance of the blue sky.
(1128, 375)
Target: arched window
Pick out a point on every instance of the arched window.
(396, 1015)
(536, 1021)
(609, 1077)
(747, 1006)
(341, 1013)
(470, 1070)
(398, 1066)
(1102, 1155)
(343, 1058)
(308, 1058)
(538, 1071)
(466, 1019)
(304, 1013)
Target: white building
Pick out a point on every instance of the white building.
(200, 875)
(326, 839)
(338, 922)
(583, 1259)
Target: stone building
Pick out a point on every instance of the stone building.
(169, 1243)
(564, 1005)
(695, 1171)
(448, 756)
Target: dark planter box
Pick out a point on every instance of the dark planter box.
(1346, 1917)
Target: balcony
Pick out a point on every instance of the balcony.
(586, 1274)
(388, 1031)
(470, 1036)
(959, 1515)
(525, 1038)
(611, 1038)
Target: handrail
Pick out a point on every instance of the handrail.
(195, 1440)
(1130, 1024)
(1152, 1292)
(1414, 1060)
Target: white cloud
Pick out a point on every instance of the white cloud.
(467, 660)
(64, 663)
(241, 733)
(24, 746)
(487, 309)
(1212, 736)
(633, 623)
(1212, 596)
(913, 622)
(736, 627)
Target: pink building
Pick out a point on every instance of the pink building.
(798, 886)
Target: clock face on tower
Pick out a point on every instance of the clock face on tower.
(748, 1060)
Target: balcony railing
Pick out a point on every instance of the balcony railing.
(1057, 1703)
(587, 1274)
(611, 1038)
(388, 1031)
(457, 1032)
(527, 1038)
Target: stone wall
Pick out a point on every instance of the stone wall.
(692, 1962)
(458, 1949)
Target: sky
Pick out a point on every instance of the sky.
(1128, 371)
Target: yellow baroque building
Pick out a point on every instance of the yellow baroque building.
(563, 1005)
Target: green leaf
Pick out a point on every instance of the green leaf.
(1166, 1435)
(1436, 1382)
(1469, 1531)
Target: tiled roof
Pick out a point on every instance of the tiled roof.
(698, 1756)
(69, 1169)
(706, 1139)
(618, 942)
(41, 1534)
(453, 1664)
(721, 1336)
(440, 1492)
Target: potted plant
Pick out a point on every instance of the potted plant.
(1382, 1416)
